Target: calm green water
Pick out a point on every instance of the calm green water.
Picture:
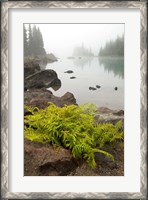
(89, 72)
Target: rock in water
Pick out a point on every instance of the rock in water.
(98, 86)
(69, 71)
(73, 77)
(92, 88)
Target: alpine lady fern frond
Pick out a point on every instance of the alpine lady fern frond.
(72, 127)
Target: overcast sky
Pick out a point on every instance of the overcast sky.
(61, 39)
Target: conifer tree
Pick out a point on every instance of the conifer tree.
(113, 48)
(25, 43)
(30, 41)
(35, 42)
(40, 43)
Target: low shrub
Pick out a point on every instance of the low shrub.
(72, 127)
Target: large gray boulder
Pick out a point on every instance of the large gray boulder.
(42, 79)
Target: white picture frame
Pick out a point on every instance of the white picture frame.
(7, 187)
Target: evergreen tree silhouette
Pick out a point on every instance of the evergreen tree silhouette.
(35, 45)
(113, 48)
(25, 42)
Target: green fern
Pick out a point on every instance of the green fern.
(72, 127)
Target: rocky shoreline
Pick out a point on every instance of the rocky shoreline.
(44, 159)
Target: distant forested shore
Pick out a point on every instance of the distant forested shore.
(113, 48)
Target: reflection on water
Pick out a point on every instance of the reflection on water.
(90, 73)
(113, 65)
(81, 62)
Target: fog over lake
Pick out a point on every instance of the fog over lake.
(61, 39)
(88, 71)
(107, 73)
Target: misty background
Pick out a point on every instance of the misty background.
(88, 60)
(61, 39)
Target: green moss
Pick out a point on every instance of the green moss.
(72, 127)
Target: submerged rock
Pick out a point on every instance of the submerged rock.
(70, 57)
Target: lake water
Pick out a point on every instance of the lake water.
(89, 72)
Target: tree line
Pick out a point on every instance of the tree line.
(113, 48)
(82, 51)
(33, 42)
